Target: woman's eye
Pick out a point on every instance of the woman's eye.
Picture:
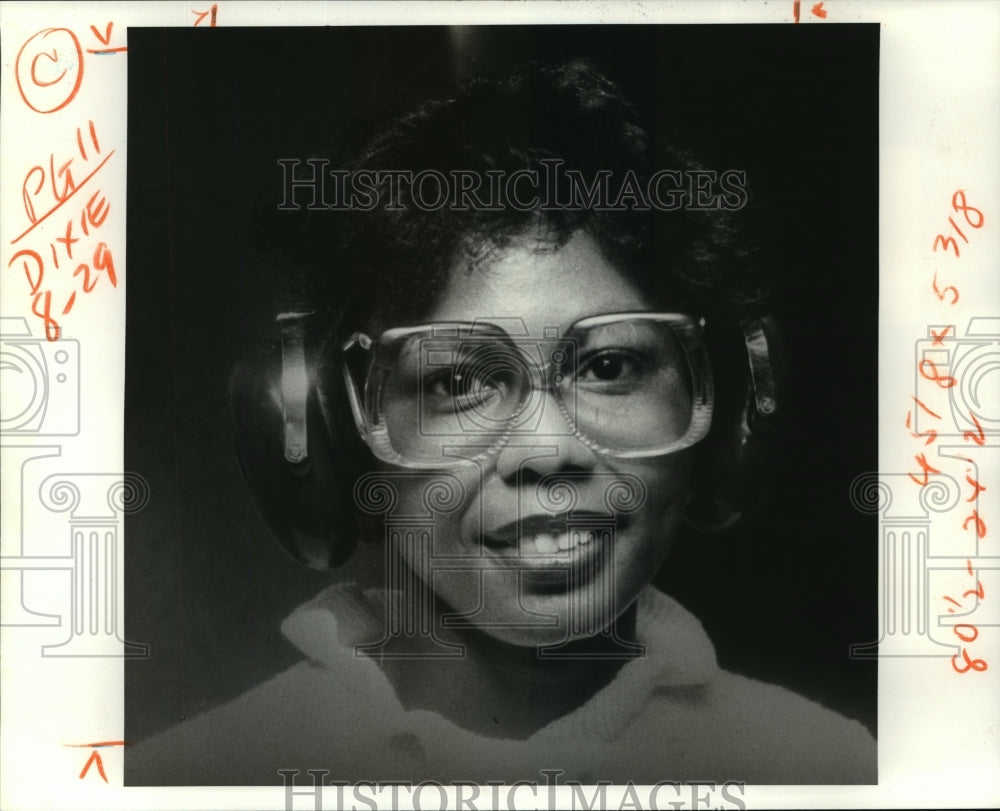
(462, 389)
(612, 368)
(608, 368)
(455, 384)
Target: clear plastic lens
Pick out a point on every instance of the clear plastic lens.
(635, 384)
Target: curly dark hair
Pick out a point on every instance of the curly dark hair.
(391, 261)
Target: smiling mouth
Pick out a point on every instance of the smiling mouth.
(560, 537)
(551, 543)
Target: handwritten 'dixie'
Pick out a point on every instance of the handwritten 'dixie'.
(60, 252)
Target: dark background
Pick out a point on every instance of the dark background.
(210, 113)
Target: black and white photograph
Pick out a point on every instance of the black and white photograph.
(508, 384)
(499, 405)
(500, 390)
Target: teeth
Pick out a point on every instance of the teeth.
(547, 543)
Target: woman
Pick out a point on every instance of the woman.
(504, 389)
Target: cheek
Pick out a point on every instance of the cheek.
(666, 477)
(434, 501)
(668, 492)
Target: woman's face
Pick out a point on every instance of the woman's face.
(527, 571)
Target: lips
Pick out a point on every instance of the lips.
(547, 546)
(577, 526)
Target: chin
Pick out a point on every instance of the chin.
(562, 619)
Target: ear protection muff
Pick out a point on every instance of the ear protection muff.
(731, 469)
(301, 464)
(301, 454)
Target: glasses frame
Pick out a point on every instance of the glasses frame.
(375, 434)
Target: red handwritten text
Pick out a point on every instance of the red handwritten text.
(95, 756)
(49, 69)
(63, 195)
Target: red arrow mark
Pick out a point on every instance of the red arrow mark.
(203, 14)
(94, 756)
(819, 11)
(106, 39)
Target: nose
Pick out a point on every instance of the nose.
(550, 448)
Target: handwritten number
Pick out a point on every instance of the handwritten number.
(978, 591)
(959, 203)
(103, 261)
(973, 632)
(925, 408)
(979, 524)
(958, 230)
(941, 293)
(945, 242)
(87, 284)
(930, 433)
(51, 326)
(977, 436)
(944, 381)
(973, 216)
(979, 665)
